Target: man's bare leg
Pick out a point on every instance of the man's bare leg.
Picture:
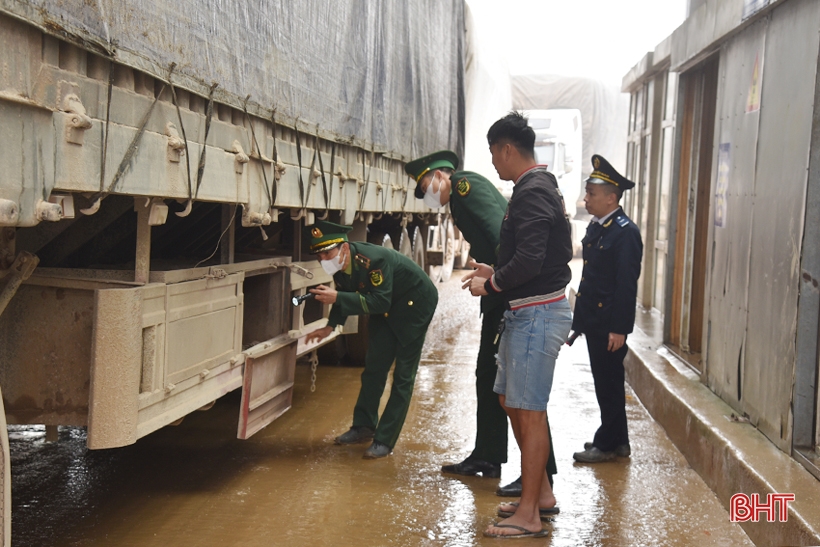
(530, 429)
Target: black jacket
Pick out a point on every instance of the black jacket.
(535, 245)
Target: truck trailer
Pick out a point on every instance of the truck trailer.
(159, 164)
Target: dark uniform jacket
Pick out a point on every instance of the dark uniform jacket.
(385, 284)
(478, 209)
(609, 283)
(535, 244)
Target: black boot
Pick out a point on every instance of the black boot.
(512, 490)
(474, 466)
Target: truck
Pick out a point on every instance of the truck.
(159, 165)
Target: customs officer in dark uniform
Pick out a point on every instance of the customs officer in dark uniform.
(478, 209)
(605, 304)
(400, 300)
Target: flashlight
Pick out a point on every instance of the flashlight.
(299, 299)
(572, 338)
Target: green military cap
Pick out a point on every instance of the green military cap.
(421, 166)
(604, 173)
(325, 235)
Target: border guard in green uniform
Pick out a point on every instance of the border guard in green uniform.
(400, 300)
(478, 209)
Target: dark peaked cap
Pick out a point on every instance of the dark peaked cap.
(604, 173)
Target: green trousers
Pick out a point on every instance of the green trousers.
(491, 420)
(383, 349)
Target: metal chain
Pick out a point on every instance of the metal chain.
(314, 362)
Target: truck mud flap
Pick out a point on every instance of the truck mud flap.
(267, 388)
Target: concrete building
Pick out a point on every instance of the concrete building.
(724, 145)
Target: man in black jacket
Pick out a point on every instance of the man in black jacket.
(531, 275)
(605, 305)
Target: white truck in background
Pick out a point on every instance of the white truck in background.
(558, 145)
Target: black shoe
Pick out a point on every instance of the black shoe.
(593, 455)
(622, 451)
(474, 466)
(354, 435)
(512, 490)
(377, 450)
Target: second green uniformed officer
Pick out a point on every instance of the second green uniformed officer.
(400, 300)
(478, 209)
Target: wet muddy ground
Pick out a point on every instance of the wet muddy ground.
(197, 485)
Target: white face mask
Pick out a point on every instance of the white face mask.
(333, 265)
(432, 198)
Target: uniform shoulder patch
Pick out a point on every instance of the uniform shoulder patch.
(376, 278)
(622, 221)
(463, 187)
(363, 261)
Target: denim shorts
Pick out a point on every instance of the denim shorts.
(530, 343)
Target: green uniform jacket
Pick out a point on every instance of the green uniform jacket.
(478, 210)
(385, 283)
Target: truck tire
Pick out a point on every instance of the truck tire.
(448, 248)
(405, 243)
(419, 247)
(462, 253)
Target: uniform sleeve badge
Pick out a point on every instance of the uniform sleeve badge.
(363, 261)
(463, 187)
(376, 278)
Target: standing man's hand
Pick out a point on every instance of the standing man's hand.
(482, 270)
(474, 281)
(324, 294)
(318, 334)
(616, 341)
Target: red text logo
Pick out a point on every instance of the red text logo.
(743, 508)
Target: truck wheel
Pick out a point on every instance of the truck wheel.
(448, 249)
(419, 248)
(433, 245)
(405, 245)
(462, 253)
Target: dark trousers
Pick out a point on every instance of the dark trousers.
(383, 348)
(491, 420)
(608, 375)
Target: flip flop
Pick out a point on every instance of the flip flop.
(524, 532)
(546, 514)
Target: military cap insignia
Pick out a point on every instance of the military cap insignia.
(596, 163)
(376, 277)
(316, 232)
(363, 261)
(463, 187)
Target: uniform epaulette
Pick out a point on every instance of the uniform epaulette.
(363, 261)
(622, 221)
